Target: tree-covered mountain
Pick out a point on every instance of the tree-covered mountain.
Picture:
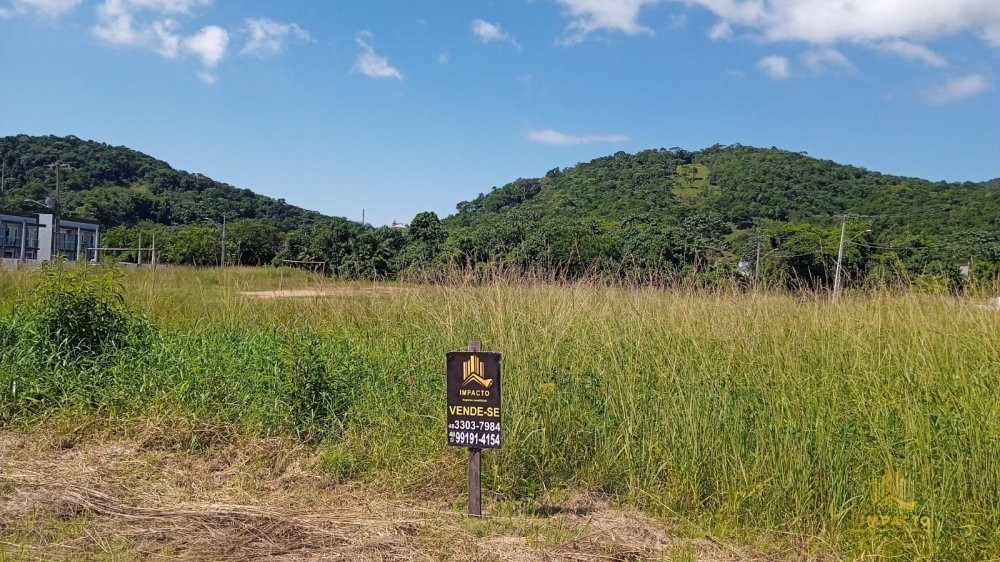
(666, 214)
(680, 210)
(119, 186)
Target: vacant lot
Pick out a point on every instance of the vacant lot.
(761, 421)
(105, 496)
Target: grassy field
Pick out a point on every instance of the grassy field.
(761, 419)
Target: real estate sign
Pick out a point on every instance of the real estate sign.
(474, 399)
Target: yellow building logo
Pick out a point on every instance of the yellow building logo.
(893, 490)
(473, 371)
(894, 505)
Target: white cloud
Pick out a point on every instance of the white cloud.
(4, 13)
(957, 89)
(588, 16)
(209, 45)
(912, 51)
(824, 22)
(492, 33)
(150, 24)
(774, 66)
(116, 20)
(720, 31)
(114, 23)
(369, 62)
(47, 8)
(444, 58)
(550, 136)
(169, 42)
(820, 61)
(269, 37)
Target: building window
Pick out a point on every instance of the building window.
(11, 240)
(31, 243)
(67, 243)
(88, 244)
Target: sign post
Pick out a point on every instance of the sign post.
(474, 410)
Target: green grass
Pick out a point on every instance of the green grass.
(763, 419)
(691, 180)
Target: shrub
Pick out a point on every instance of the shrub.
(80, 313)
(317, 396)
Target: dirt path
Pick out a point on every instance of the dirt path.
(325, 292)
(140, 499)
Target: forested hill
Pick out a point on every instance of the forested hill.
(674, 208)
(736, 184)
(119, 186)
(657, 213)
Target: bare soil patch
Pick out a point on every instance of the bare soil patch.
(126, 499)
(325, 292)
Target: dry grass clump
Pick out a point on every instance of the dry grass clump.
(99, 496)
(234, 502)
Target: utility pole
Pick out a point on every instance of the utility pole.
(840, 258)
(222, 256)
(756, 267)
(57, 205)
(362, 216)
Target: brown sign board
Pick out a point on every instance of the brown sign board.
(474, 399)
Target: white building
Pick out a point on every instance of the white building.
(28, 238)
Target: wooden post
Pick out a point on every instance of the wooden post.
(475, 482)
(475, 466)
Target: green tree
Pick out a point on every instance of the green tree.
(374, 254)
(255, 241)
(424, 239)
(193, 245)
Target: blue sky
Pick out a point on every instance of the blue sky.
(402, 106)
